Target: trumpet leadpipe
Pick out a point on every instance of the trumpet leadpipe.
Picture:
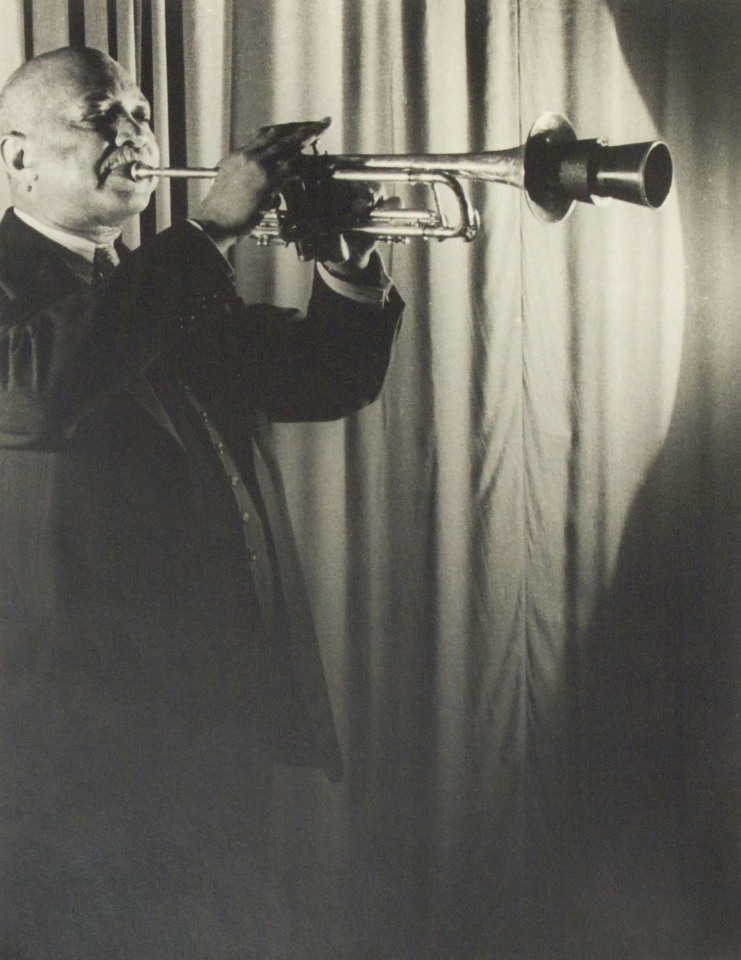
(140, 171)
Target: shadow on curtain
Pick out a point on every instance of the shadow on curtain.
(660, 721)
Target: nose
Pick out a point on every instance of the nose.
(127, 131)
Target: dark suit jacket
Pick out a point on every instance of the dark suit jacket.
(126, 591)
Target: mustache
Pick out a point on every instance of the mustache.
(122, 157)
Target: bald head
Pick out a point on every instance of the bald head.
(42, 83)
(72, 122)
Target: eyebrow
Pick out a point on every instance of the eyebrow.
(91, 100)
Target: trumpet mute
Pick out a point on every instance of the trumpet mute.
(634, 172)
(559, 170)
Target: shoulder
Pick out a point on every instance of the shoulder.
(30, 265)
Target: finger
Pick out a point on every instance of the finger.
(337, 249)
(286, 139)
(363, 199)
(389, 203)
(287, 129)
(279, 171)
(303, 132)
(374, 191)
(344, 247)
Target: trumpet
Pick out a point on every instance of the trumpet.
(553, 168)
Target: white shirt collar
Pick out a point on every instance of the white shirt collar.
(70, 241)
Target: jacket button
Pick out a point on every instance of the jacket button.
(245, 516)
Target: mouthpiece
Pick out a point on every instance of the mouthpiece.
(141, 171)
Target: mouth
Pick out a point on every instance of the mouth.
(122, 168)
(118, 170)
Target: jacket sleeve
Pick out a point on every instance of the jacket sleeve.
(59, 359)
(173, 299)
(321, 365)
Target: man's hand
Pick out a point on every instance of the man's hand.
(250, 177)
(353, 250)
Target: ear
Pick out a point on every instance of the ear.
(16, 158)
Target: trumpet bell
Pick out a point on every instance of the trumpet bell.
(559, 170)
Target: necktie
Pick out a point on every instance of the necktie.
(105, 262)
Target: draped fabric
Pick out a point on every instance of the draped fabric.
(524, 558)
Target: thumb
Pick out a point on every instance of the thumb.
(389, 203)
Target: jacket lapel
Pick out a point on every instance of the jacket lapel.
(145, 395)
(34, 266)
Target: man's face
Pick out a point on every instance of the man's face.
(94, 122)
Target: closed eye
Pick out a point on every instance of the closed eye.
(101, 117)
(91, 122)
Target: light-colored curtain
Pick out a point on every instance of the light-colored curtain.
(524, 558)
(458, 535)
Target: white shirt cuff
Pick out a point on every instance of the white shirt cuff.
(371, 294)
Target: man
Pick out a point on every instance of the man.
(156, 645)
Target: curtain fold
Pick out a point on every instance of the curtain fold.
(207, 82)
(12, 55)
(96, 23)
(521, 556)
(50, 25)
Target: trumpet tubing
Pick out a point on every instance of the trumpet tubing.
(553, 168)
